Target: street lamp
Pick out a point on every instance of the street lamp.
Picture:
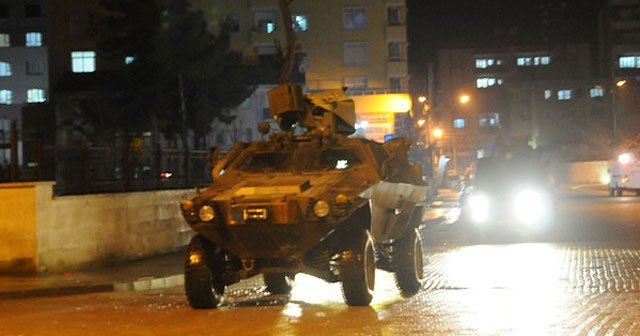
(614, 107)
(464, 99)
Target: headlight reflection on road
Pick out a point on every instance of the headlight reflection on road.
(509, 287)
(312, 290)
(529, 207)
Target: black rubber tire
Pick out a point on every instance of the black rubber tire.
(201, 289)
(408, 263)
(278, 283)
(358, 269)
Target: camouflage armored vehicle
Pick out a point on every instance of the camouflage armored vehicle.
(318, 202)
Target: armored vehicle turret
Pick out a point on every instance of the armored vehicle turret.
(314, 201)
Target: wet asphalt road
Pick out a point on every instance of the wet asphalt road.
(582, 278)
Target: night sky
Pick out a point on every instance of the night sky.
(434, 24)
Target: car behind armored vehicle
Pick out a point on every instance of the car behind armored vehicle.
(319, 203)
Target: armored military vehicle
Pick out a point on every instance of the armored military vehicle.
(313, 201)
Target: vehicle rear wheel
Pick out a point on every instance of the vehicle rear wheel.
(278, 283)
(203, 289)
(358, 270)
(408, 266)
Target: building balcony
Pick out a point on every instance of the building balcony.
(625, 25)
(261, 3)
(261, 38)
(397, 68)
(394, 2)
(396, 33)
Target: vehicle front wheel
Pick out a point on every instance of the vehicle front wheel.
(201, 284)
(358, 270)
(408, 266)
(278, 283)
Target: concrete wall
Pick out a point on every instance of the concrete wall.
(588, 172)
(18, 250)
(72, 232)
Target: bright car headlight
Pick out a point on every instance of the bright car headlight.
(529, 206)
(206, 213)
(321, 208)
(479, 206)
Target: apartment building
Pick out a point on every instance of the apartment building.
(361, 45)
(619, 24)
(521, 97)
(23, 64)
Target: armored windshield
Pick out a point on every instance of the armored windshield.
(261, 162)
(330, 159)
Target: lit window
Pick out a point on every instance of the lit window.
(6, 97)
(629, 62)
(486, 82)
(354, 18)
(596, 92)
(547, 94)
(34, 39)
(300, 23)
(483, 63)
(129, 59)
(265, 21)
(355, 54)
(395, 51)
(83, 61)
(356, 83)
(533, 61)
(5, 69)
(564, 94)
(458, 123)
(489, 120)
(5, 40)
(34, 68)
(36, 96)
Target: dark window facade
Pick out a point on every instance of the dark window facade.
(32, 10)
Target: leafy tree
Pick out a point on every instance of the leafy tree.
(182, 77)
(207, 77)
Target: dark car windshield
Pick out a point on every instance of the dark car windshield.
(504, 172)
(330, 159)
(259, 162)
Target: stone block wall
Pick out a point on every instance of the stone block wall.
(75, 232)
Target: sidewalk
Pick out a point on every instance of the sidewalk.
(152, 273)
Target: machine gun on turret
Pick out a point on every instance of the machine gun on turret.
(328, 113)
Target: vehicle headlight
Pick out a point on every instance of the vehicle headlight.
(529, 206)
(321, 208)
(479, 206)
(206, 213)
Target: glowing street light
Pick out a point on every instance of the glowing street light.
(438, 133)
(421, 122)
(422, 99)
(621, 83)
(464, 99)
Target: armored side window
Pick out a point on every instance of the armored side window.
(259, 162)
(330, 159)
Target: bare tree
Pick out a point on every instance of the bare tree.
(292, 47)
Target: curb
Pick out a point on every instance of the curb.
(138, 285)
(56, 291)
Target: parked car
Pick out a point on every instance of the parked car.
(509, 194)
